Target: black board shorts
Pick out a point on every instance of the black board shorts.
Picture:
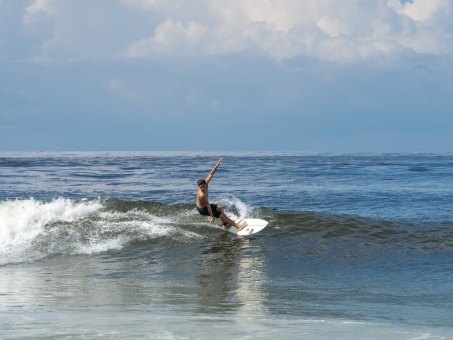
(205, 212)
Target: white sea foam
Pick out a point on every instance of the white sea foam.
(99, 247)
(23, 220)
(148, 224)
(233, 205)
(31, 230)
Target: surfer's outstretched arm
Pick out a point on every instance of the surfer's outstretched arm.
(214, 169)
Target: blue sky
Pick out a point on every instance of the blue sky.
(298, 75)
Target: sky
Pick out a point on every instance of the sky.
(226, 75)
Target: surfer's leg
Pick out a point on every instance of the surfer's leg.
(226, 219)
(226, 226)
(241, 225)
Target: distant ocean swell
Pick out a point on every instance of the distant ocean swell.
(31, 230)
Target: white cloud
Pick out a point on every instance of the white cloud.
(423, 11)
(80, 30)
(172, 37)
(35, 10)
(340, 31)
(333, 27)
(349, 30)
(429, 29)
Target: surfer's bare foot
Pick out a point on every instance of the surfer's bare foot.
(241, 226)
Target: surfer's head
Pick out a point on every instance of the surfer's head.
(201, 183)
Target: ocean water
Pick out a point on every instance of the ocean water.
(110, 246)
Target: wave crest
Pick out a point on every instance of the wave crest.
(31, 230)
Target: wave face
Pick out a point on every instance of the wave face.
(31, 230)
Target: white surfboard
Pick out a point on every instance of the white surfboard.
(254, 225)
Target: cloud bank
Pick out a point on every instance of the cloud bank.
(345, 31)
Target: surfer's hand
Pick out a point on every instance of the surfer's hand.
(220, 161)
(211, 220)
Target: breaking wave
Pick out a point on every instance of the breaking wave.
(31, 230)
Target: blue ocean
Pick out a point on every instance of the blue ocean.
(109, 245)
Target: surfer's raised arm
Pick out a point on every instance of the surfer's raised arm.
(214, 169)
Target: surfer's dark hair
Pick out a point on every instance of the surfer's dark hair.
(201, 181)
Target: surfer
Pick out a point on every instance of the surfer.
(213, 210)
